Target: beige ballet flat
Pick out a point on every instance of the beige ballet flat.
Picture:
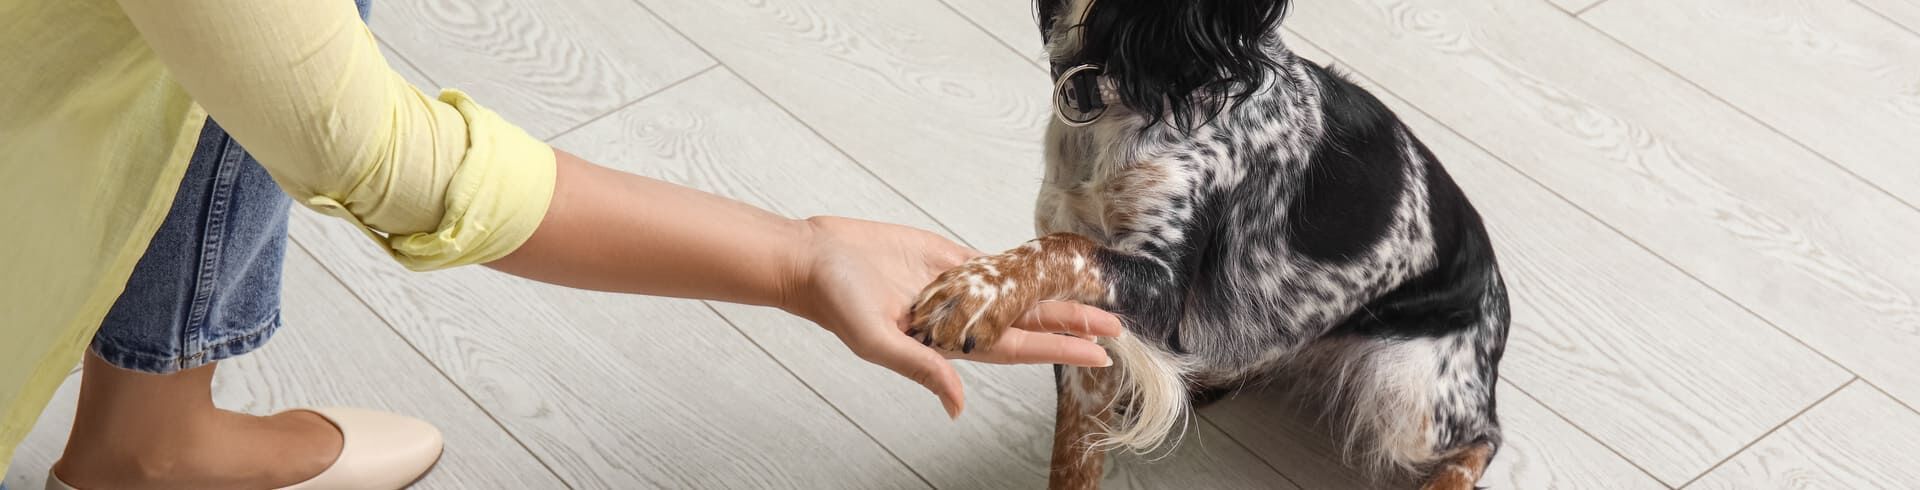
(378, 450)
(54, 483)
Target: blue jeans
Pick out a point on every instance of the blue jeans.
(208, 286)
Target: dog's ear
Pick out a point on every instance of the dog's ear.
(1047, 12)
(1180, 59)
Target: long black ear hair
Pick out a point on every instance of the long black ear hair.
(1182, 57)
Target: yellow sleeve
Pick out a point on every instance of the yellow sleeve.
(439, 182)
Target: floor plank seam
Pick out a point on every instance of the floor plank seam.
(721, 63)
(1588, 8)
(1556, 413)
(816, 393)
(677, 32)
(1630, 238)
(1783, 423)
(903, 196)
(877, 178)
(1543, 404)
(407, 61)
(1750, 117)
(1583, 431)
(636, 101)
(976, 26)
(856, 162)
(949, 5)
(429, 360)
(1668, 404)
(1256, 454)
(1609, 225)
(1795, 141)
(1896, 400)
(1883, 15)
(916, 206)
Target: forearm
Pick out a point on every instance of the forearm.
(613, 231)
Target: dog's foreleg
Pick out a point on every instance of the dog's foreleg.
(1085, 411)
(971, 305)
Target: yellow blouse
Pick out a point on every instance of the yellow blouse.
(101, 104)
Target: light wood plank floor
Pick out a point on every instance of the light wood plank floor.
(1706, 210)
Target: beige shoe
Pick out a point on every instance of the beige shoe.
(378, 450)
(54, 483)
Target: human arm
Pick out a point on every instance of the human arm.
(615, 231)
(442, 182)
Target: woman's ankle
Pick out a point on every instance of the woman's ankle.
(233, 451)
(88, 471)
(120, 455)
(139, 430)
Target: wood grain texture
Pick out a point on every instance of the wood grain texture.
(613, 391)
(1541, 450)
(1544, 451)
(1628, 347)
(908, 88)
(1559, 335)
(1846, 82)
(1833, 75)
(1013, 22)
(1282, 430)
(717, 134)
(1904, 12)
(1728, 201)
(546, 65)
(333, 352)
(1859, 438)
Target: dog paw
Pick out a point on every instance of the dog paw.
(969, 306)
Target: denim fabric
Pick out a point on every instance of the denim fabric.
(208, 286)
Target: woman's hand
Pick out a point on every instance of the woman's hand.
(858, 279)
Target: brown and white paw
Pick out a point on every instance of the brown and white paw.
(970, 306)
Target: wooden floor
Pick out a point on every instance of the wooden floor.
(1706, 210)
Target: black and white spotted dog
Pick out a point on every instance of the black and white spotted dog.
(1252, 216)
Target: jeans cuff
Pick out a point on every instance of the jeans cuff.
(144, 361)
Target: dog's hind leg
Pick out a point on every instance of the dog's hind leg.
(1419, 407)
(1085, 411)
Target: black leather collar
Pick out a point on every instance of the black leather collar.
(1077, 98)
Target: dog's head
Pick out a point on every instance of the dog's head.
(1178, 61)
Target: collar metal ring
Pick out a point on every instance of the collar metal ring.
(1073, 107)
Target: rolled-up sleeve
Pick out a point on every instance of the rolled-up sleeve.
(437, 181)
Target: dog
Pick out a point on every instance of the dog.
(1251, 216)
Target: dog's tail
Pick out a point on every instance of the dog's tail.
(1152, 384)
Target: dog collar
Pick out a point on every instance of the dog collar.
(1077, 99)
